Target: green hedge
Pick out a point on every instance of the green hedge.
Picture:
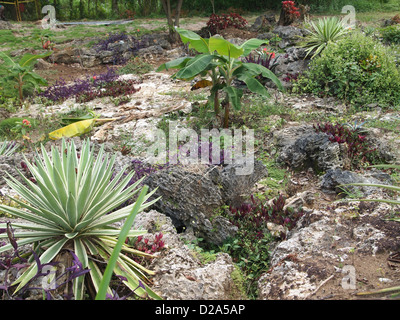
(357, 69)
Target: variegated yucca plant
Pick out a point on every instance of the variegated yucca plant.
(8, 148)
(74, 204)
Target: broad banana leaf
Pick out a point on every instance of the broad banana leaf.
(76, 129)
(29, 59)
(174, 64)
(234, 96)
(225, 48)
(195, 41)
(195, 66)
(252, 44)
(254, 69)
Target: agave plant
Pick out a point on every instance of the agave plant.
(72, 206)
(383, 186)
(323, 32)
(394, 290)
(7, 148)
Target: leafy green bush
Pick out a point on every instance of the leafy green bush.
(356, 69)
(391, 34)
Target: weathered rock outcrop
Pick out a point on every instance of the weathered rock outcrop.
(194, 199)
(315, 259)
(300, 147)
(180, 274)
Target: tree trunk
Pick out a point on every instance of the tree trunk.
(226, 115)
(178, 13)
(114, 6)
(173, 35)
(216, 103)
(213, 5)
(71, 9)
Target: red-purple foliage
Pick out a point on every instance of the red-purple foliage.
(253, 216)
(359, 150)
(217, 23)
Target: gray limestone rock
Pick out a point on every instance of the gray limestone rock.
(193, 200)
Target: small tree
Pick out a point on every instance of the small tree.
(20, 74)
(222, 62)
(174, 37)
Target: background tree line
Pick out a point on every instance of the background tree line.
(117, 9)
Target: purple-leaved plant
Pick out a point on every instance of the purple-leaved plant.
(15, 261)
(359, 149)
(61, 90)
(96, 86)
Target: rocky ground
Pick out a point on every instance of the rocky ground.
(339, 248)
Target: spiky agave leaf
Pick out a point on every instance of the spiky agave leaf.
(8, 148)
(323, 32)
(72, 204)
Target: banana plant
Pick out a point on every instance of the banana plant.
(221, 61)
(21, 73)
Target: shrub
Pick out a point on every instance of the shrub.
(290, 9)
(359, 149)
(356, 69)
(391, 34)
(217, 23)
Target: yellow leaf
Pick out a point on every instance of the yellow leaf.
(201, 84)
(73, 130)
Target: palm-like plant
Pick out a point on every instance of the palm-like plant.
(323, 32)
(7, 148)
(72, 206)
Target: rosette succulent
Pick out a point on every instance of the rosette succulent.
(74, 205)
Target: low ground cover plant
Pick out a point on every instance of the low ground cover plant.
(250, 246)
(103, 85)
(359, 149)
